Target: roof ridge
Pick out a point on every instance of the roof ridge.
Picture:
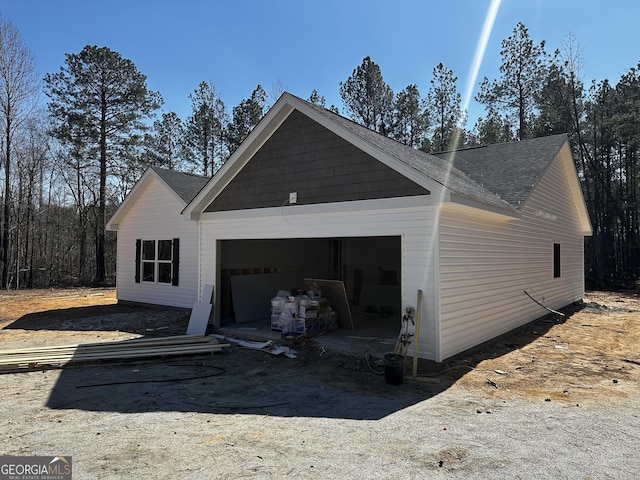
(510, 142)
(164, 169)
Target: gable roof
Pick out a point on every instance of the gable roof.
(511, 170)
(434, 173)
(183, 186)
(496, 178)
(186, 185)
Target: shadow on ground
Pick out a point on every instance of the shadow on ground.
(123, 317)
(319, 383)
(238, 381)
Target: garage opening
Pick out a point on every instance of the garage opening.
(252, 272)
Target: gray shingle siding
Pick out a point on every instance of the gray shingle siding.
(430, 166)
(303, 156)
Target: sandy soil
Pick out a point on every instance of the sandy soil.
(590, 355)
(557, 399)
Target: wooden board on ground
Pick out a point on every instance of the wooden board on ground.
(26, 359)
(335, 292)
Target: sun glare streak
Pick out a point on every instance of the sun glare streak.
(481, 48)
(478, 56)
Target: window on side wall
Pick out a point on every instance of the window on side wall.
(556, 260)
(157, 261)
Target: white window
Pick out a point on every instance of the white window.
(157, 261)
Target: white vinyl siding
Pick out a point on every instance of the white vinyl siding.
(485, 267)
(395, 217)
(155, 215)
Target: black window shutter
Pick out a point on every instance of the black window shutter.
(176, 261)
(138, 259)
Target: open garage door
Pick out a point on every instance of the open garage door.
(251, 272)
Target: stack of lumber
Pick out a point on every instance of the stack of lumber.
(38, 358)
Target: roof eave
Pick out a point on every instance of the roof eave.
(114, 221)
(575, 189)
(503, 213)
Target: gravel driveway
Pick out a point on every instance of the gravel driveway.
(246, 414)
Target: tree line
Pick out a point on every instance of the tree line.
(68, 162)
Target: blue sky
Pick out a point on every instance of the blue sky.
(307, 44)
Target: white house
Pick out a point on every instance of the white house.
(312, 194)
(157, 252)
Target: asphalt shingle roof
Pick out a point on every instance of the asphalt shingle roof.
(186, 185)
(502, 175)
(511, 170)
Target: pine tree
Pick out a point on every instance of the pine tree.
(523, 69)
(317, 99)
(164, 145)
(205, 129)
(410, 119)
(444, 109)
(99, 99)
(246, 116)
(367, 98)
(492, 129)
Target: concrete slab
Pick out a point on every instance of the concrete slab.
(374, 335)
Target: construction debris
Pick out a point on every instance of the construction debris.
(267, 347)
(39, 358)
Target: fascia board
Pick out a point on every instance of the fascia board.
(412, 174)
(129, 201)
(576, 189)
(113, 222)
(504, 214)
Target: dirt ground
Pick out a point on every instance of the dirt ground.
(590, 354)
(562, 394)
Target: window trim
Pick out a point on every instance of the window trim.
(173, 261)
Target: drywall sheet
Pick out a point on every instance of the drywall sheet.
(335, 292)
(207, 293)
(252, 294)
(199, 318)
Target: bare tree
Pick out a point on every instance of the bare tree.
(19, 86)
(278, 87)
